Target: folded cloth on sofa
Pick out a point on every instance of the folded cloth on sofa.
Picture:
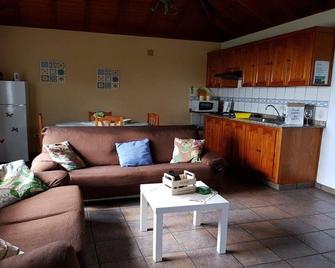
(8, 250)
(134, 153)
(17, 182)
(63, 154)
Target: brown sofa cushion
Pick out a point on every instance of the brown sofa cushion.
(43, 162)
(96, 145)
(29, 235)
(107, 181)
(53, 255)
(49, 203)
(54, 178)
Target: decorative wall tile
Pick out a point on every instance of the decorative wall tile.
(52, 71)
(311, 93)
(107, 78)
(271, 93)
(289, 93)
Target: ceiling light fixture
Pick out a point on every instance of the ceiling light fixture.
(169, 7)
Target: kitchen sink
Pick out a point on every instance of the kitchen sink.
(276, 121)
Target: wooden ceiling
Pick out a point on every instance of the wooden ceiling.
(210, 20)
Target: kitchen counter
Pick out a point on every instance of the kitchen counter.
(274, 125)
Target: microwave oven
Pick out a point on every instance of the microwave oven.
(211, 106)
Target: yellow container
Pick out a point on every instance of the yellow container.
(242, 115)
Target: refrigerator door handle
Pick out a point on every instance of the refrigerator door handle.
(9, 114)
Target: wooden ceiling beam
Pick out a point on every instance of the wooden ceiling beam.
(87, 15)
(53, 11)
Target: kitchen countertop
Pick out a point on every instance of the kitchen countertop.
(265, 123)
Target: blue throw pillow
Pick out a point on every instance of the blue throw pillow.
(134, 153)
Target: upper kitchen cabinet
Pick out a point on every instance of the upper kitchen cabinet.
(286, 60)
(217, 63)
(248, 65)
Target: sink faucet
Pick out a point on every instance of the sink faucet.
(270, 105)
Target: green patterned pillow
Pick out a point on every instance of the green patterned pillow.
(63, 154)
(187, 150)
(18, 182)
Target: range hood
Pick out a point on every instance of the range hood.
(233, 75)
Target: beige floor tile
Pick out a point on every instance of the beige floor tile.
(263, 230)
(319, 241)
(288, 247)
(294, 226)
(169, 244)
(322, 222)
(105, 215)
(135, 228)
(243, 216)
(330, 256)
(122, 249)
(109, 231)
(208, 257)
(315, 261)
(279, 264)
(252, 253)
(195, 239)
(172, 260)
(177, 223)
(133, 213)
(235, 234)
(138, 262)
(271, 213)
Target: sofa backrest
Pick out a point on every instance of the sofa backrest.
(96, 145)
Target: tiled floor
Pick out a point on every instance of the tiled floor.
(267, 228)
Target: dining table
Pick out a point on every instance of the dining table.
(127, 122)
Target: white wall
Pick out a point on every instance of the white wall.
(326, 18)
(326, 171)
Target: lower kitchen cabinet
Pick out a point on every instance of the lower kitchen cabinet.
(278, 154)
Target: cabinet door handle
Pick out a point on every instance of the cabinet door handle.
(2, 141)
(9, 114)
(15, 129)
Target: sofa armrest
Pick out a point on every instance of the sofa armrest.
(56, 254)
(213, 160)
(54, 178)
(43, 162)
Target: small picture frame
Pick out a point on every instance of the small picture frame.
(16, 76)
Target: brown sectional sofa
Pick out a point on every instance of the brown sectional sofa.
(49, 227)
(104, 177)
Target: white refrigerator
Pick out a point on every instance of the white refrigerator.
(13, 121)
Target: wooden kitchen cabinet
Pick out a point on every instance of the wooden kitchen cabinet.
(282, 156)
(248, 65)
(285, 60)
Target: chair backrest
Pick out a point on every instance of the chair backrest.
(153, 119)
(109, 121)
(92, 118)
(40, 126)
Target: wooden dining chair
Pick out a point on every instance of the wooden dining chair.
(109, 121)
(40, 127)
(92, 118)
(153, 119)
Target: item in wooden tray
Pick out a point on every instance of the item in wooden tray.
(180, 184)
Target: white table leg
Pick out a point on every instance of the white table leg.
(196, 218)
(143, 213)
(222, 230)
(158, 237)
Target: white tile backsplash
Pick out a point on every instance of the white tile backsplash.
(300, 93)
(255, 92)
(271, 93)
(263, 92)
(323, 93)
(289, 93)
(311, 93)
(248, 92)
(253, 99)
(280, 93)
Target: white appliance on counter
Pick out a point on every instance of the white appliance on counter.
(13, 121)
(200, 106)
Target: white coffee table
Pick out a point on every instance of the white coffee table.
(161, 201)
